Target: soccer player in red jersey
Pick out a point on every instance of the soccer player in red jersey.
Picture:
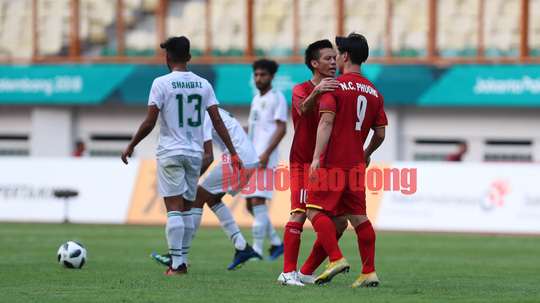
(320, 58)
(346, 117)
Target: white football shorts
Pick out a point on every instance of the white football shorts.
(262, 182)
(213, 181)
(178, 175)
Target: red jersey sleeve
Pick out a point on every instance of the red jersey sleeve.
(298, 96)
(327, 104)
(380, 118)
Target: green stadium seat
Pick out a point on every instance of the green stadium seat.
(259, 52)
(109, 51)
(148, 53)
(376, 53)
(280, 52)
(218, 53)
(493, 53)
(534, 52)
(407, 52)
(449, 52)
(130, 52)
(513, 52)
(234, 52)
(468, 52)
(195, 52)
(301, 50)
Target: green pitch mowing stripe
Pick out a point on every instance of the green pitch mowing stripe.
(411, 267)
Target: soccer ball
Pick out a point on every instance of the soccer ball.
(72, 255)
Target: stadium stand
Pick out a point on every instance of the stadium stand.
(457, 26)
(456, 32)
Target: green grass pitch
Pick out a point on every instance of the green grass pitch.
(412, 267)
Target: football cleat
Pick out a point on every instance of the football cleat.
(275, 252)
(181, 270)
(256, 257)
(307, 279)
(161, 259)
(241, 257)
(332, 269)
(367, 280)
(290, 278)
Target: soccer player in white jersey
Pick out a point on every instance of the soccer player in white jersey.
(267, 126)
(211, 189)
(178, 100)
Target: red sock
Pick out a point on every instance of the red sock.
(291, 241)
(366, 245)
(326, 232)
(317, 256)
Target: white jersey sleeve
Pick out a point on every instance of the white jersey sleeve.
(207, 127)
(156, 95)
(211, 96)
(280, 112)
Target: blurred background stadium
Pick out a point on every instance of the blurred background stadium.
(449, 70)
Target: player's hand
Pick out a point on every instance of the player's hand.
(237, 163)
(263, 160)
(127, 153)
(314, 166)
(326, 85)
(368, 160)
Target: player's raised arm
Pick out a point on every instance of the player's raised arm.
(146, 128)
(325, 86)
(221, 130)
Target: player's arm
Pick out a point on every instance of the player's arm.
(326, 124)
(221, 130)
(276, 138)
(325, 86)
(146, 128)
(376, 141)
(208, 156)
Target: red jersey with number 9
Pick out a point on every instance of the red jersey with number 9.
(358, 107)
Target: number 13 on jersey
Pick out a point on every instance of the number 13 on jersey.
(197, 108)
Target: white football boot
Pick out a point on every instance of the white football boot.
(307, 279)
(290, 278)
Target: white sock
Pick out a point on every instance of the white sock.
(197, 216)
(271, 233)
(175, 234)
(223, 213)
(259, 227)
(188, 231)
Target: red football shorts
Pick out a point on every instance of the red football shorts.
(298, 189)
(337, 191)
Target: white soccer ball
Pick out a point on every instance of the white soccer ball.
(72, 255)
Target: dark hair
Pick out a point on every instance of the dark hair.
(177, 48)
(312, 51)
(355, 45)
(269, 65)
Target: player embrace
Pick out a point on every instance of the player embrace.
(346, 117)
(320, 58)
